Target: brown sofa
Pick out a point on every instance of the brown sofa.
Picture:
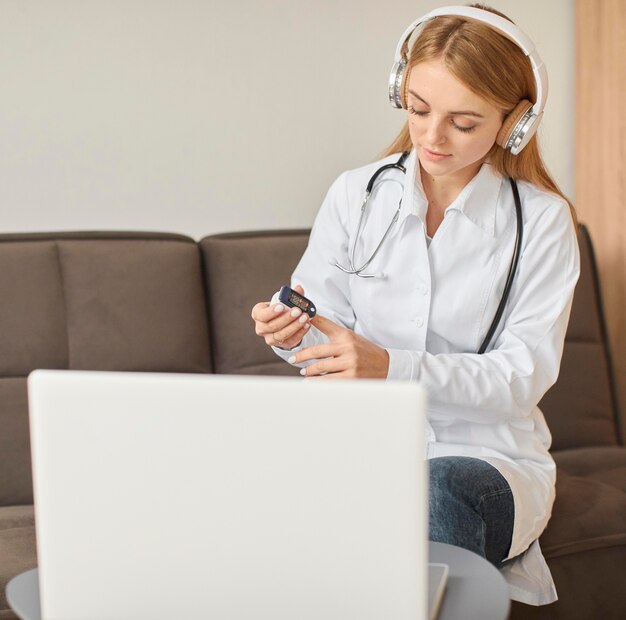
(159, 302)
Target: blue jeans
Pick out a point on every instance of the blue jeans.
(470, 506)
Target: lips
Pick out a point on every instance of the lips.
(433, 155)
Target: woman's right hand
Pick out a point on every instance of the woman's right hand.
(280, 326)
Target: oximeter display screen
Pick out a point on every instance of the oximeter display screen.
(297, 300)
(294, 300)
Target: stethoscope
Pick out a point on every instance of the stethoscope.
(360, 271)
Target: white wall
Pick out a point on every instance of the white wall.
(204, 116)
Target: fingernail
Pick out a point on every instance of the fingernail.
(291, 359)
(303, 318)
(278, 308)
(307, 326)
(303, 371)
(295, 312)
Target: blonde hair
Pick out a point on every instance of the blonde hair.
(494, 68)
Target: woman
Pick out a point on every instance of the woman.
(419, 306)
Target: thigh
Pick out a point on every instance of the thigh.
(471, 506)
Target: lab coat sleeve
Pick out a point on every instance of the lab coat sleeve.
(510, 379)
(324, 284)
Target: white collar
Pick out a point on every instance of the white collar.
(478, 200)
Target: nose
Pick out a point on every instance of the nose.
(435, 131)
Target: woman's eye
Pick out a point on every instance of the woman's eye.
(463, 129)
(416, 112)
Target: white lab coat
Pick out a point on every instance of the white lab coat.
(430, 308)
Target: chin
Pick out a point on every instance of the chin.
(436, 169)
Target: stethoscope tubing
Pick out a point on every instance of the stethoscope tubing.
(519, 234)
(360, 271)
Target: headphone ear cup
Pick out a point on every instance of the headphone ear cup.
(404, 88)
(396, 84)
(510, 123)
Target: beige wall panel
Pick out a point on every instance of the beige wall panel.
(601, 157)
(206, 116)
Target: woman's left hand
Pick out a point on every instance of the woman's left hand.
(346, 355)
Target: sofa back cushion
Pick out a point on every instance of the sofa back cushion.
(581, 407)
(242, 269)
(91, 301)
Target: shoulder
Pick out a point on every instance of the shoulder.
(538, 203)
(548, 222)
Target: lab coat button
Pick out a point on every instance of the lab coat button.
(419, 321)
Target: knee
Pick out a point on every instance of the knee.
(471, 506)
(449, 479)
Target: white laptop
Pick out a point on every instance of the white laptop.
(161, 496)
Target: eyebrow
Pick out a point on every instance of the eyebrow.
(458, 112)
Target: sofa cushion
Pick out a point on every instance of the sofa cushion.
(585, 541)
(32, 313)
(590, 586)
(590, 507)
(92, 301)
(102, 301)
(135, 305)
(242, 269)
(581, 408)
(15, 470)
(17, 547)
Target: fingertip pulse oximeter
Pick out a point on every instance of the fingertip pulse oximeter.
(290, 298)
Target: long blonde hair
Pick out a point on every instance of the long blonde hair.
(494, 68)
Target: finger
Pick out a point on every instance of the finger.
(328, 366)
(286, 319)
(282, 321)
(317, 351)
(257, 310)
(328, 327)
(287, 332)
(331, 376)
(296, 339)
(265, 311)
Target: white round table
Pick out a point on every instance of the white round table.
(475, 588)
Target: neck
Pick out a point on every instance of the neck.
(441, 191)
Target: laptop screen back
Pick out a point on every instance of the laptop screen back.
(187, 496)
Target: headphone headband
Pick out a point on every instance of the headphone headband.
(507, 29)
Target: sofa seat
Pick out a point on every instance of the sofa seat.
(586, 551)
(17, 548)
(591, 506)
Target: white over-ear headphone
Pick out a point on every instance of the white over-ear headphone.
(521, 124)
